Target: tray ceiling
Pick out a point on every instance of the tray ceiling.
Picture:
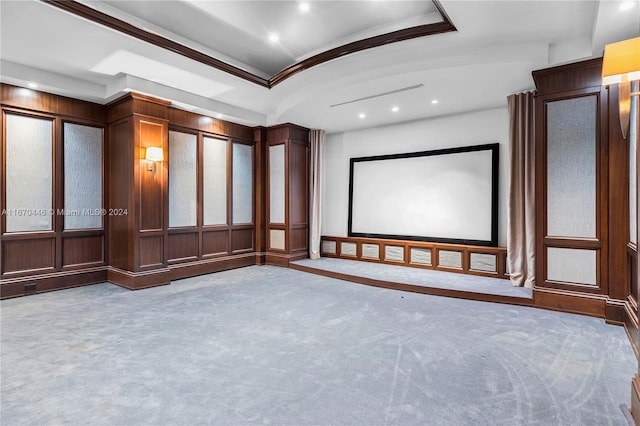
(266, 41)
(97, 51)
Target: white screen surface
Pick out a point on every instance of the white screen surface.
(441, 197)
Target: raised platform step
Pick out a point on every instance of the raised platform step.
(418, 280)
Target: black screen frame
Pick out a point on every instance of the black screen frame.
(494, 148)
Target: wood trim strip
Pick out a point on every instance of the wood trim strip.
(405, 34)
(22, 286)
(98, 17)
(108, 21)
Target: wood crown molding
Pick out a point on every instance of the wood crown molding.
(573, 76)
(108, 21)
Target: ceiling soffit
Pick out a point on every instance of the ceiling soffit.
(109, 21)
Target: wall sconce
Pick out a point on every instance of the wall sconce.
(153, 155)
(621, 64)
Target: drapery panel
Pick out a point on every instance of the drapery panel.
(521, 209)
(316, 139)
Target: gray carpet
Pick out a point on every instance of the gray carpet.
(420, 277)
(267, 345)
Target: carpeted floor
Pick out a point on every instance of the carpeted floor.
(267, 345)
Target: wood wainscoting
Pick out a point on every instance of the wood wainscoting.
(137, 247)
(463, 259)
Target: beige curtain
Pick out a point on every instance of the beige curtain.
(521, 235)
(316, 139)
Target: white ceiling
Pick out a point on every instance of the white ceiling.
(497, 45)
(239, 30)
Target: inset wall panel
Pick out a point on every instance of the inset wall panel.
(328, 247)
(571, 167)
(152, 134)
(298, 183)
(571, 265)
(82, 176)
(277, 239)
(394, 253)
(28, 255)
(299, 238)
(151, 249)
(29, 174)
(483, 262)
(214, 197)
(420, 256)
(241, 239)
(348, 249)
(182, 179)
(371, 251)
(276, 184)
(242, 179)
(450, 259)
(182, 246)
(215, 242)
(82, 250)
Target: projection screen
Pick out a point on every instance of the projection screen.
(446, 195)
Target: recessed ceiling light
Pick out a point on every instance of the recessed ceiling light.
(304, 7)
(273, 37)
(395, 109)
(361, 115)
(435, 101)
(627, 5)
(33, 85)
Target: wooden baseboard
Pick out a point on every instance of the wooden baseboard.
(566, 301)
(34, 284)
(138, 280)
(631, 326)
(635, 399)
(615, 312)
(201, 267)
(282, 259)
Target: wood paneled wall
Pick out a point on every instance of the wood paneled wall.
(615, 297)
(137, 254)
(295, 140)
(573, 81)
(202, 249)
(44, 260)
(136, 248)
(605, 299)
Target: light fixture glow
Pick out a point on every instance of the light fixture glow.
(627, 5)
(361, 115)
(273, 37)
(219, 115)
(621, 65)
(153, 155)
(33, 85)
(435, 101)
(395, 109)
(304, 7)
